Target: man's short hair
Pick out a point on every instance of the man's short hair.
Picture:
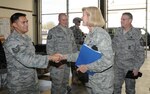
(16, 16)
(128, 14)
(61, 14)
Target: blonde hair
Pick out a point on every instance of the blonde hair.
(95, 16)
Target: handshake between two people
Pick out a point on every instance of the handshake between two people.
(57, 57)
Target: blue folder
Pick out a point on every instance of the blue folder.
(87, 55)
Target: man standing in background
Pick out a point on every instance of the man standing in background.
(78, 34)
(129, 54)
(60, 40)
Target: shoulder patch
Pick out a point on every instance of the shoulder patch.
(16, 49)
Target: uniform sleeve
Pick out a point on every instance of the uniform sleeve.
(114, 40)
(139, 51)
(72, 57)
(50, 46)
(105, 47)
(25, 56)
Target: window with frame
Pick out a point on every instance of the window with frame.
(51, 9)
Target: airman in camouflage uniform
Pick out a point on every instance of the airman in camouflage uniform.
(60, 40)
(102, 81)
(21, 59)
(129, 54)
(78, 34)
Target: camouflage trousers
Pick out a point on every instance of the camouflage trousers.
(32, 89)
(120, 79)
(60, 79)
(101, 83)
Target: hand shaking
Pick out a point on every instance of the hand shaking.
(55, 57)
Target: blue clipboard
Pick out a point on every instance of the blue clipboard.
(87, 55)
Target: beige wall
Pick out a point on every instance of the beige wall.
(25, 6)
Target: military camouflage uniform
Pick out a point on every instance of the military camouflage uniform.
(60, 40)
(21, 64)
(78, 35)
(102, 81)
(129, 55)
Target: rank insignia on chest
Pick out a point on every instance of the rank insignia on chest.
(16, 49)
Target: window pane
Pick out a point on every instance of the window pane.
(53, 19)
(115, 16)
(126, 4)
(48, 22)
(53, 6)
(77, 5)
